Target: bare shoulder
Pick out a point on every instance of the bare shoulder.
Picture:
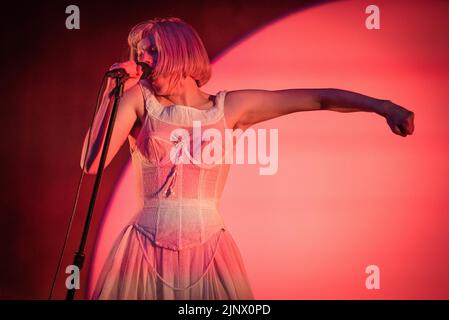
(133, 93)
(238, 101)
(229, 109)
(133, 98)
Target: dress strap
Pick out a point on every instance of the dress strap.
(219, 101)
(147, 97)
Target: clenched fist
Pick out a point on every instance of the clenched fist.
(132, 69)
(400, 120)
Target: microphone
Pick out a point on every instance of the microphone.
(146, 70)
(117, 73)
(121, 72)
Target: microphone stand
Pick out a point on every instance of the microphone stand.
(78, 261)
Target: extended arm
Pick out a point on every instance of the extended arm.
(247, 107)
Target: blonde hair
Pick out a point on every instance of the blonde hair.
(180, 49)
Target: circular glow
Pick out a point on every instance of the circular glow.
(348, 193)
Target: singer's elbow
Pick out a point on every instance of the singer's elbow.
(92, 167)
(89, 166)
(88, 170)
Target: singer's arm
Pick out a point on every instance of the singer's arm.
(125, 119)
(247, 107)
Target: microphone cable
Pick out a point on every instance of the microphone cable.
(147, 70)
(69, 227)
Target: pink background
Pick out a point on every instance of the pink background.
(348, 192)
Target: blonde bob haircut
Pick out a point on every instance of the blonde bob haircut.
(179, 48)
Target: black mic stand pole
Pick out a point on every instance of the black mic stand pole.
(78, 261)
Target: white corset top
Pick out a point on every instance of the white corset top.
(179, 200)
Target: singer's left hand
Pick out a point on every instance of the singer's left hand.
(131, 68)
(400, 120)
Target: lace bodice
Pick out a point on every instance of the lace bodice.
(179, 200)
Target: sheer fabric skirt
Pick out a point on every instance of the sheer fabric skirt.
(137, 269)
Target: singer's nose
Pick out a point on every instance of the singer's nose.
(140, 57)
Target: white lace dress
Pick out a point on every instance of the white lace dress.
(177, 246)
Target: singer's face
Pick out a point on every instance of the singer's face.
(147, 52)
